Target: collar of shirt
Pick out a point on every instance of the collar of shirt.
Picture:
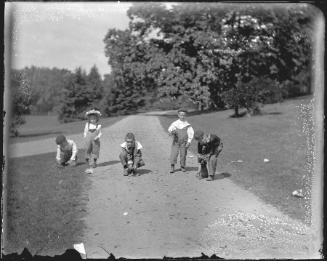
(138, 145)
(181, 124)
(92, 126)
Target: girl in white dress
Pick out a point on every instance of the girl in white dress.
(92, 134)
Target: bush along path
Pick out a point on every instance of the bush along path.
(160, 214)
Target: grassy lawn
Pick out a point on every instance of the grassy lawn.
(45, 205)
(42, 127)
(277, 135)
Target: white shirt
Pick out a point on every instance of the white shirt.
(91, 126)
(180, 125)
(138, 145)
(74, 147)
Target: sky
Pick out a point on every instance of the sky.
(63, 35)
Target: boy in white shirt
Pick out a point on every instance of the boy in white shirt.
(66, 151)
(182, 133)
(131, 155)
(92, 134)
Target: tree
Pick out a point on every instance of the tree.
(76, 97)
(46, 85)
(95, 85)
(241, 38)
(128, 58)
(20, 92)
(208, 54)
(177, 63)
(293, 30)
(106, 100)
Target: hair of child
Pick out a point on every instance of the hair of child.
(60, 139)
(198, 134)
(130, 136)
(182, 110)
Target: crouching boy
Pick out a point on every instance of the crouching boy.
(66, 151)
(209, 148)
(131, 155)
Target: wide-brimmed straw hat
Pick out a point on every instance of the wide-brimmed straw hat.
(93, 112)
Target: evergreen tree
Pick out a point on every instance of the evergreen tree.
(95, 85)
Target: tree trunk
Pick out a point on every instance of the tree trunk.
(236, 111)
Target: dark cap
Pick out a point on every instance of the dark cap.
(60, 139)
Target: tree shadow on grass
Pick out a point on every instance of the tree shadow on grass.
(240, 115)
(262, 113)
(28, 135)
(222, 175)
(173, 114)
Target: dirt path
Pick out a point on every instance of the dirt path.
(159, 214)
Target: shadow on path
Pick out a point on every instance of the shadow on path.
(80, 163)
(140, 172)
(143, 171)
(111, 162)
(222, 175)
(191, 168)
(188, 169)
(273, 113)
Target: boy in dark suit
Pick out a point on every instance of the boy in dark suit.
(209, 148)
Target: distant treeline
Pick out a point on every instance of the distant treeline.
(61, 91)
(211, 56)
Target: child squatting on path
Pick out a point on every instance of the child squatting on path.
(209, 148)
(182, 133)
(66, 151)
(131, 155)
(92, 134)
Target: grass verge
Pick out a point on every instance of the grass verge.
(279, 135)
(45, 205)
(42, 127)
